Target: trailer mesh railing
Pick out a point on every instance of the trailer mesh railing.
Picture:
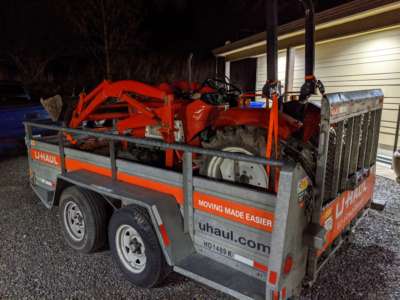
(112, 138)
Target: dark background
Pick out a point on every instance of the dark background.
(66, 45)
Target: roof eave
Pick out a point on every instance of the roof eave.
(336, 16)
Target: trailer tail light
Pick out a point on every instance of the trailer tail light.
(288, 265)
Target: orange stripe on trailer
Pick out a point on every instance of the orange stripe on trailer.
(233, 211)
(157, 186)
(75, 165)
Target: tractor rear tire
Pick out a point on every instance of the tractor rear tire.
(244, 140)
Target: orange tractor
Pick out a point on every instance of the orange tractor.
(211, 115)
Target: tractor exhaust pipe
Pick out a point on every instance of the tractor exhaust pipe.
(271, 86)
(311, 83)
(272, 40)
(310, 38)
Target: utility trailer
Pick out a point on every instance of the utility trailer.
(248, 243)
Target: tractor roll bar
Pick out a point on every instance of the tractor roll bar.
(310, 85)
(156, 143)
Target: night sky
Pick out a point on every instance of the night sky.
(165, 25)
(62, 43)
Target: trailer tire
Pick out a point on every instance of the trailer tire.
(135, 247)
(84, 217)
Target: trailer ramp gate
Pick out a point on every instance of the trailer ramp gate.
(247, 243)
(349, 134)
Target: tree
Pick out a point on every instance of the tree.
(26, 41)
(109, 27)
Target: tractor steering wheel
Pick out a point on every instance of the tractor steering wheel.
(223, 86)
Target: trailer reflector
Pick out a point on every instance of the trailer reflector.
(276, 295)
(261, 267)
(250, 262)
(283, 293)
(288, 265)
(273, 276)
(161, 227)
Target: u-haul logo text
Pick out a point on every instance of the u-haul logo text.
(45, 157)
(233, 211)
(345, 208)
(350, 198)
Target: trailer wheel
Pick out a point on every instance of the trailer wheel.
(83, 217)
(135, 247)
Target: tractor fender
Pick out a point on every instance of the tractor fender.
(256, 118)
(200, 116)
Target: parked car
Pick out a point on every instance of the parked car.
(16, 106)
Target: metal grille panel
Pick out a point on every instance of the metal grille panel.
(350, 129)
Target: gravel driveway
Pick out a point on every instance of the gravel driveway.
(36, 263)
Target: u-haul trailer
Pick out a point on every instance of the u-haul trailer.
(245, 242)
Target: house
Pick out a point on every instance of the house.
(358, 48)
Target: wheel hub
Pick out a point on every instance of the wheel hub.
(74, 221)
(131, 248)
(238, 171)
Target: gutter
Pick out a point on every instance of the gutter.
(350, 12)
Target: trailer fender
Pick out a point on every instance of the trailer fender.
(62, 184)
(162, 208)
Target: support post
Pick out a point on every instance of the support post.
(228, 71)
(396, 137)
(113, 161)
(113, 157)
(289, 74)
(61, 150)
(28, 135)
(188, 192)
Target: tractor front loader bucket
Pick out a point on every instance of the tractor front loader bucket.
(53, 106)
